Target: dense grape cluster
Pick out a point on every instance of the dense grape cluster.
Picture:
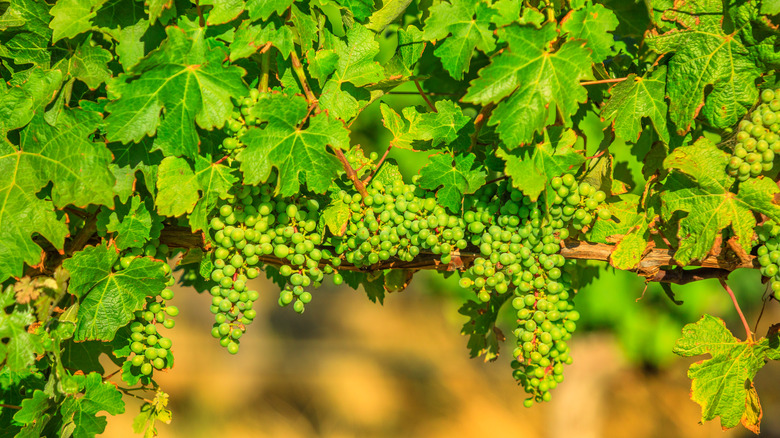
(769, 254)
(518, 241)
(519, 246)
(150, 349)
(238, 123)
(758, 139)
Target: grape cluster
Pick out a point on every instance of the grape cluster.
(758, 140)
(397, 220)
(518, 241)
(152, 350)
(519, 246)
(769, 254)
(238, 123)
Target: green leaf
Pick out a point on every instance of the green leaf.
(185, 79)
(628, 227)
(223, 10)
(215, 180)
(19, 103)
(33, 407)
(593, 23)
(361, 9)
(451, 178)
(132, 224)
(429, 129)
(355, 66)
(157, 7)
(373, 283)
(19, 347)
(484, 336)
(126, 22)
(29, 36)
(321, 64)
(336, 217)
(706, 57)
(249, 39)
(177, 187)
(635, 98)
(532, 166)
(90, 65)
(72, 17)
(81, 412)
(700, 186)
(107, 298)
(723, 384)
(283, 143)
(541, 82)
(468, 24)
(264, 8)
(770, 7)
(62, 155)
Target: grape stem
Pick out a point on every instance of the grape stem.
(602, 81)
(424, 96)
(265, 63)
(351, 174)
(479, 122)
(748, 333)
(298, 69)
(378, 165)
(3, 405)
(201, 20)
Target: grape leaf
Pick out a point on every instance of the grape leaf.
(18, 347)
(62, 155)
(593, 23)
(540, 82)
(131, 222)
(223, 10)
(215, 180)
(81, 412)
(321, 64)
(428, 129)
(373, 283)
(184, 78)
(157, 8)
(705, 56)
(90, 64)
(452, 178)
(33, 407)
(635, 98)
(468, 24)
(336, 217)
(700, 186)
(126, 22)
(293, 150)
(530, 167)
(72, 17)
(628, 227)
(134, 157)
(249, 39)
(484, 336)
(770, 7)
(28, 40)
(264, 8)
(177, 187)
(361, 9)
(355, 66)
(19, 103)
(723, 384)
(107, 298)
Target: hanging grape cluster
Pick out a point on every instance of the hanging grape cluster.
(151, 350)
(758, 139)
(518, 241)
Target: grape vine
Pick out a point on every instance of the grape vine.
(216, 143)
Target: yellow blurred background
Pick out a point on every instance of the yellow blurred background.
(348, 367)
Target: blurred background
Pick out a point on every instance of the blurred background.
(351, 368)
